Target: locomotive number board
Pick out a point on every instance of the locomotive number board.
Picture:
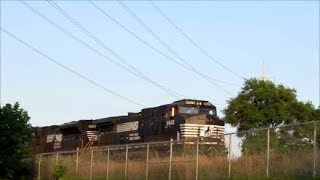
(199, 103)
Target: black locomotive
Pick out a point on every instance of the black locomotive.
(183, 119)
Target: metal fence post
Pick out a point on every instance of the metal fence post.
(39, 167)
(197, 160)
(57, 156)
(268, 152)
(170, 159)
(126, 167)
(230, 158)
(77, 160)
(91, 164)
(314, 149)
(108, 157)
(147, 162)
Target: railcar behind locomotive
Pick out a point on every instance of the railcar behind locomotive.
(180, 120)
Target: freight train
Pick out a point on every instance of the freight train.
(180, 120)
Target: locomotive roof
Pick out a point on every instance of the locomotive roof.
(186, 101)
(117, 119)
(75, 123)
(113, 119)
(183, 102)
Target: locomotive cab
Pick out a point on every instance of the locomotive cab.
(197, 119)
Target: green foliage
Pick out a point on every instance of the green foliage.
(264, 104)
(59, 172)
(15, 132)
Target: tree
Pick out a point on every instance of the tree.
(15, 132)
(260, 104)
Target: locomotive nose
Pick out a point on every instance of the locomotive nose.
(201, 126)
(204, 119)
(197, 119)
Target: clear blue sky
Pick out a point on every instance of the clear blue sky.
(239, 34)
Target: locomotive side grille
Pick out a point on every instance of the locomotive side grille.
(199, 130)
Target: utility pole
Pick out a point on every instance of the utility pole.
(263, 75)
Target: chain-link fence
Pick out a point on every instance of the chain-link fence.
(289, 151)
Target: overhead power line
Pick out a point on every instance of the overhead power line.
(70, 35)
(185, 63)
(103, 45)
(157, 8)
(142, 40)
(87, 45)
(68, 69)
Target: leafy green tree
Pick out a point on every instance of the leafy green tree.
(15, 132)
(263, 104)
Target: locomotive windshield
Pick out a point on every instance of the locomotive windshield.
(189, 110)
(196, 110)
(207, 111)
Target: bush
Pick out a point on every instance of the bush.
(59, 172)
